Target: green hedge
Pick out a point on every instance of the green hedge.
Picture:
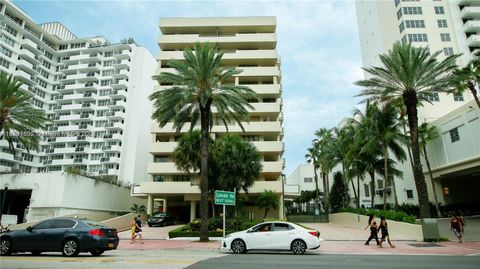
(388, 214)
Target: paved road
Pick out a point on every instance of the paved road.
(117, 259)
(332, 261)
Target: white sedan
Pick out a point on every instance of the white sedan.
(272, 236)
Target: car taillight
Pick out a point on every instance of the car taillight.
(97, 232)
(314, 233)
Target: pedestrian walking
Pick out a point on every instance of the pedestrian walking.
(138, 229)
(456, 227)
(373, 230)
(133, 224)
(384, 229)
(462, 221)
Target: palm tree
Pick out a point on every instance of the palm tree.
(267, 200)
(467, 78)
(311, 158)
(199, 84)
(17, 116)
(344, 138)
(325, 151)
(407, 73)
(140, 209)
(428, 133)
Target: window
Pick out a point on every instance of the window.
(63, 223)
(454, 136)
(439, 10)
(401, 27)
(442, 23)
(412, 11)
(11, 31)
(4, 63)
(367, 190)
(158, 178)
(8, 40)
(415, 23)
(63, 47)
(161, 159)
(399, 13)
(458, 97)
(380, 184)
(448, 51)
(281, 227)
(445, 37)
(308, 180)
(43, 225)
(180, 178)
(430, 97)
(404, 39)
(6, 51)
(410, 194)
(417, 38)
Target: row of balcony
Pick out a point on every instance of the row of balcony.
(254, 127)
(267, 57)
(260, 89)
(80, 161)
(259, 40)
(171, 168)
(254, 71)
(262, 147)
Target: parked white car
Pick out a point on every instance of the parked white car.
(272, 236)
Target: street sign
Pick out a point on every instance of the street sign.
(224, 198)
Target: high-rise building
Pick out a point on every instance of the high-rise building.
(95, 93)
(451, 27)
(249, 44)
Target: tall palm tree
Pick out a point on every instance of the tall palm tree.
(406, 73)
(428, 133)
(199, 84)
(312, 158)
(267, 200)
(467, 78)
(325, 156)
(17, 116)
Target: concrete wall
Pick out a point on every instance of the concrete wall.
(58, 194)
(411, 231)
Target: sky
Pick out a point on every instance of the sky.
(317, 41)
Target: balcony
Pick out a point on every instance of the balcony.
(259, 41)
(29, 56)
(28, 43)
(71, 97)
(470, 13)
(72, 107)
(121, 64)
(117, 104)
(272, 166)
(270, 89)
(24, 77)
(118, 94)
(112, 148)
(472, 26)
(110, 160)
(473, 40)
(119, 84)
(69, 117)
(125, 54)
(117, 115)
(257, 127)
(269, 146)
(162, 147)
(163, 168)
(114, 126)
(122, 74)
(79, 57)
(62, 162)
(259, 71)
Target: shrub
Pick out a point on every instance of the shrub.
(388, 214)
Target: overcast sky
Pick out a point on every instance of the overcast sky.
(317, 41)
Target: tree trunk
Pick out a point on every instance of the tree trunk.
(358, 191)
(472, 89)
(410, 100)
(409, 149)
(325, 192)
(385, 175)
(437, 207)
(351, 182)
(372, 176)
(213, 207)
(205, 121)
(394, 190)
(316, 182)
(266, 212)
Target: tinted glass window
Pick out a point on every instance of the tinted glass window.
(262, 228)
(282, 227)
(63, 223)
(160, 215)
(44, 225)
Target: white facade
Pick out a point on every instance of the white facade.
(249, 44)
(91, 89)
(57, 194)
(448, 26)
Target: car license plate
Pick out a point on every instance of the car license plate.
(110, 245)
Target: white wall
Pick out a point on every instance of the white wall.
(57, 194)
(135, 154)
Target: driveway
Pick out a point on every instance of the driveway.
(150, 232)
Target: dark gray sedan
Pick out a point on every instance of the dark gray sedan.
(67, 235)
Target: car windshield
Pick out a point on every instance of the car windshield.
(93, 223)
(160, 215)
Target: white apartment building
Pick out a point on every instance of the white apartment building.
(89, 88)
(250, 44)
(452, 27)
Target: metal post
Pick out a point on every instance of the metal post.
(224, 220)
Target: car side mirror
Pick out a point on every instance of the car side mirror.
(249, 230)
(30, 228)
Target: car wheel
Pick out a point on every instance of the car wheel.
(298, 246)
(238, 246)
(96, 252)
(70, 248)
(36, 253)
(5, 247)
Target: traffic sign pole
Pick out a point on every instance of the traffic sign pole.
(223, 221)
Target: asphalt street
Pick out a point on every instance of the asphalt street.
(117, 259)
(332, 261)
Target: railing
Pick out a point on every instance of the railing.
(105, 159)
(77, 160)
(79, 149)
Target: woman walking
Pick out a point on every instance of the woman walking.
(373, 230)
(457, 228)
(384, 229)
(133, 224)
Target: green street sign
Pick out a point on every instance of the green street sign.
(224, 198)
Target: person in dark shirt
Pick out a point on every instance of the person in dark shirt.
(384, 229)
(457, 227)
(373, 230)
